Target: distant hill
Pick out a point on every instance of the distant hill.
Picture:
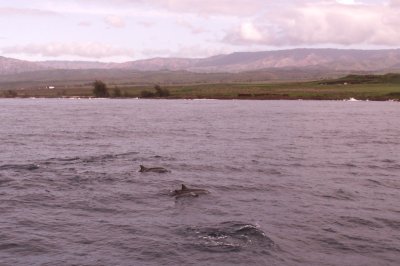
(332, 59)
(295, 64)
(157, 64)
(76, 65)
(12, 66)
(335, 59)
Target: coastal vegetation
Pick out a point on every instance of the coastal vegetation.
(362, 87)
(100, 89)
(159, 93)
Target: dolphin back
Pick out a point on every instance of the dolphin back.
(188, 192)
(142, 168)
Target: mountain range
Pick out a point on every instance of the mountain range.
(268, 65)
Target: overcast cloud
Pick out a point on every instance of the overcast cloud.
(115, 21)
(324, 23)
(113, 29)
(89, 50)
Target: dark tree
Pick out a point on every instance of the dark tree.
(100, 89)
(146, 94)
(10, 94)
(160, 92)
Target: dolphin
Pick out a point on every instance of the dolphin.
(185, 191)
(153, 169)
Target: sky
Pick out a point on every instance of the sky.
(125, 30)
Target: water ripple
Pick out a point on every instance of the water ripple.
(228, 237)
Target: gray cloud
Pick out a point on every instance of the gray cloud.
(190, 26)
(395, 3)
(114, 21)
(84, 24)
(324, 23)
(89, 50)
(247, 23)
(204, 7)
(195, 51)
(147, 24)
(213, 7)
(10, 11)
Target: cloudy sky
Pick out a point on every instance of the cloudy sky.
(122, 30)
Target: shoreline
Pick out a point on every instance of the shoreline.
(363, 88)
(351, 99)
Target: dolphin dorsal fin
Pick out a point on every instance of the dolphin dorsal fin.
(184, 187)
(142, 168)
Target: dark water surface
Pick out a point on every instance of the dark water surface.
(291, 182)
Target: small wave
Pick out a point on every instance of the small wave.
(247, 188)
(162, 158)
(63, 161)
(357, 221)
(394, 224)
(90, 207)
(341, 165)
(352, 100)
(234, 168)
(5, 181)
(66, 159)
(199, 167)
(384, 183)
(330, 230)
(29, 167)
(374, 181)
(29, 247)
(394, 166)
(388, 161)
(108, 156)
(387, 166)
(332, 243)
(79, 180)
(89, 159)
(269, 171)
(340, 194)
(350, 165)
(228, 237)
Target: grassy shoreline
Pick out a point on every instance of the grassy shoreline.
(370, 87)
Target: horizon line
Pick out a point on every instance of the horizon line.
(199, 58)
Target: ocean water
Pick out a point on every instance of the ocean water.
(290, 182)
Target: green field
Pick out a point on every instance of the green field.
(362, 87)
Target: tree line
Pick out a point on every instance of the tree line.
(100, 90)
